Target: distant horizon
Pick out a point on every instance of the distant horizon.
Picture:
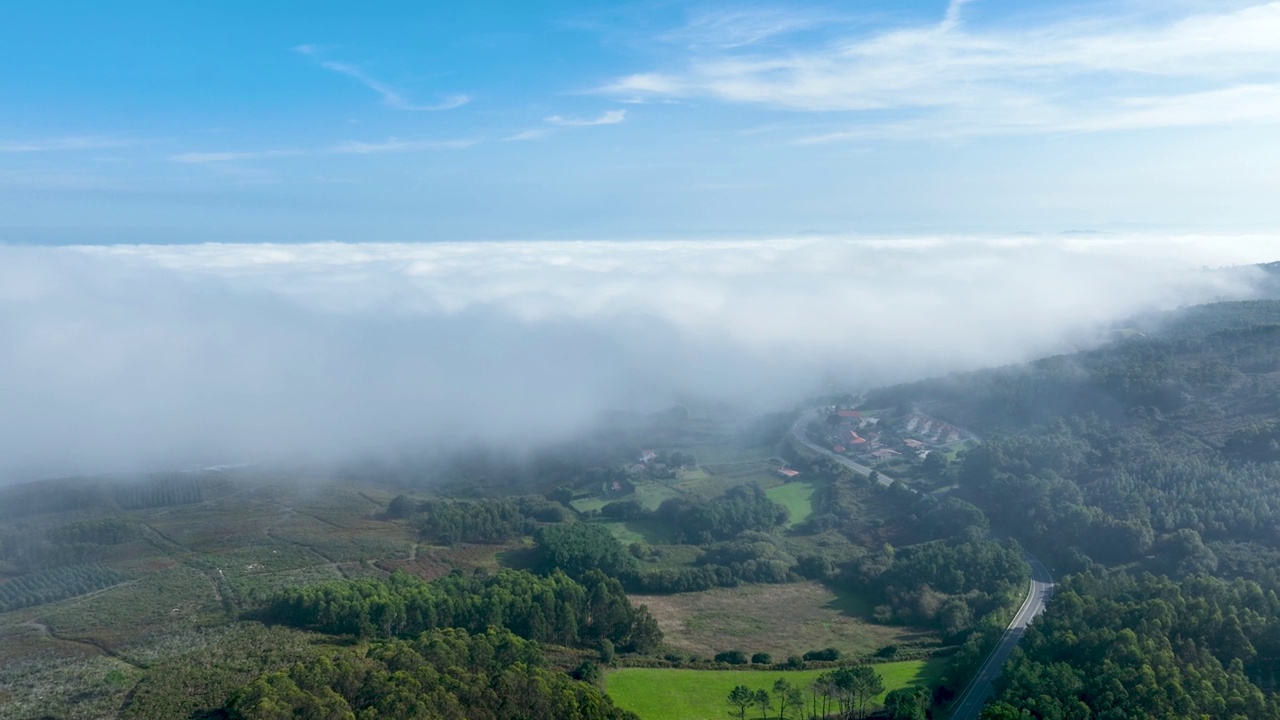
(954, 234)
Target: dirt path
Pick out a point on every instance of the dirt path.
(97, 647)
(184, 556)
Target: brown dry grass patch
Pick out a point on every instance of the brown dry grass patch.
(782, 620)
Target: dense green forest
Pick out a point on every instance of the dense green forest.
(1115, 645)
(553, 608)
(446, 674)
(1155, 455)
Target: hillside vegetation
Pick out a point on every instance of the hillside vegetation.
(1145, 463)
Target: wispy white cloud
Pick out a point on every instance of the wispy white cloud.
(391, 97)
(608, 117)
(60, 144)
(352, 147)
(1214, 67)
(952, 19)
(199, 158)
(742, 26)
(523, 135)
(399, 146)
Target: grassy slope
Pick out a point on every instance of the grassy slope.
(679, 694)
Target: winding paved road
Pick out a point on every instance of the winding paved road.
(980, 688)
(975, 696)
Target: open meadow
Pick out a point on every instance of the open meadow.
(796, 497)
(681, 694)
(782, 620)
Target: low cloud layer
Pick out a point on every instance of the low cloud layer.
(148, 357)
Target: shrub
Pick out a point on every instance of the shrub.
(733, 657)
(827, 654)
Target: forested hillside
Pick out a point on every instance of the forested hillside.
(1155, 456)
(447, 674)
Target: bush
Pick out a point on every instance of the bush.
(733, 657)
(589, 672)
(401, 507)
(625, 510)
(762, 659)
(826, 655)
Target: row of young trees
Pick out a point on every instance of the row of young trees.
(553, 608)
(77, 543)
(846, 692)
(160, 491)
(52, 584)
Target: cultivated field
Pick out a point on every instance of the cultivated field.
(678, 694)
(148, 629)
(782, 620)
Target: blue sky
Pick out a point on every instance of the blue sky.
(163, 122)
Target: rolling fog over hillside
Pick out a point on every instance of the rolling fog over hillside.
(120, 358)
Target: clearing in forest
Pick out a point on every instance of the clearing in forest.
(796, 497)
(782, 620)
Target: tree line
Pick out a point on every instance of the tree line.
(552, 609)
(446, 673)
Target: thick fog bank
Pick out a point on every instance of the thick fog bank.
(137, 357)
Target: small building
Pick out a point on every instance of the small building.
(885, 454)
(787, 473)
(913, 444)
(648, 456)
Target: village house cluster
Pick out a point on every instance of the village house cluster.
(849, 432)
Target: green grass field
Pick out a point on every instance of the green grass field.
(650, 493)
(679, 694)
(797, 497)
(638, 531)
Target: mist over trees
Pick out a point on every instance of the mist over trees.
(212, 354)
